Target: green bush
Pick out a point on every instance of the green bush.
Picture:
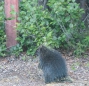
(59, 28)
(2, 31)
(82, 46)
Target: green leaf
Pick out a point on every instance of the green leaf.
(67, 18)
(71, 25)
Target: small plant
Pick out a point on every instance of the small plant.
(80, 49)
(15, 50)
(82, 46)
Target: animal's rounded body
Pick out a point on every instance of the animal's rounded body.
(52, 64)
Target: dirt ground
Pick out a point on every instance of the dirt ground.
(24, 71)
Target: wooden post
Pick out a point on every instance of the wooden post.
(10, 25)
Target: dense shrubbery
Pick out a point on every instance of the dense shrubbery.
(60, 28)
(2, 31)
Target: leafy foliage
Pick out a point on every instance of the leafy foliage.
(15, 50)
(61, 27)
(2, 31)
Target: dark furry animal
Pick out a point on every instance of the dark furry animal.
(52, 64)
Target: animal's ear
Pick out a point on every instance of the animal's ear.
(38, 50)
(43, 48)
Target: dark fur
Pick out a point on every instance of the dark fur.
(52, 64)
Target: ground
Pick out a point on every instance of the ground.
(24, 71)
